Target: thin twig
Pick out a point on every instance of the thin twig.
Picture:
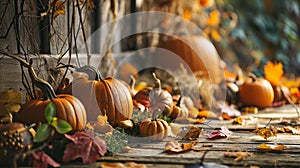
(83, 34)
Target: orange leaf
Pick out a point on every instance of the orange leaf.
(214, 18)
(176, 147)
(273, 72)
(271, 147)
(58, 9)
(187, 14)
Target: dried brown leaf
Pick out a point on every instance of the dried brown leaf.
(176, 147)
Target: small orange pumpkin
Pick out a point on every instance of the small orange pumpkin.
(153, 128)
(155, 98)
(68, 107)
(102, 97)
(256, 92)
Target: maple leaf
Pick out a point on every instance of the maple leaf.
(176, 147)
(273, 72)
(41, 159)
(190, 133)
(84, 145)
(219, 133)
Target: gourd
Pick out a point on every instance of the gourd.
(155, 98)
(102, 97)
(14, 140)
(68, 107)
(256, 92)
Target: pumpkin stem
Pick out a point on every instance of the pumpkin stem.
(40, 83)
(132, 82)
(157, 82)
(253, 77)
(155, 114)
(93, 72)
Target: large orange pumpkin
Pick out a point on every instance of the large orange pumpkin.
(108, 96)
(68, 107)
(196, 51)
(256, 92)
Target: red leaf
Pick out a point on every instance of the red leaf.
(220, 133)
(84, 145)
(41, 160)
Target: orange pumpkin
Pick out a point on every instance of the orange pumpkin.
(155, 98)
(196, 51)
(68, 107)
(154, 129)
(256, 92)
(108, 96)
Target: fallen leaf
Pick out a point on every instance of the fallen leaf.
(273, 72)
(122, 165)
(294, 131)
(201, 148)
(206, 114)
(231, 111)
(126, 149)
(238, 155)
(84, 145)
(219, 133)
(271, 147)
(225, 116)
(196, 120)
(176, 147)
(41, 159)
(266, 132)
(238, 120)
(190, 133)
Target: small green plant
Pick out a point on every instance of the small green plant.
(45, 130)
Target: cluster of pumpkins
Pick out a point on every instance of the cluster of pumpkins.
(89, 96)
(256, 92)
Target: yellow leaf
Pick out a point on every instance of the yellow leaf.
(271, 147)
(58, 8)
(266, 132)
(273, 72)
(215, 35)
(102, 120)
(10, 96)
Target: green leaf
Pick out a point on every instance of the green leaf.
(50, 112)
(42, 133)
(61, 126)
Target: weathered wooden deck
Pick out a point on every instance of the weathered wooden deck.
(243, 139)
